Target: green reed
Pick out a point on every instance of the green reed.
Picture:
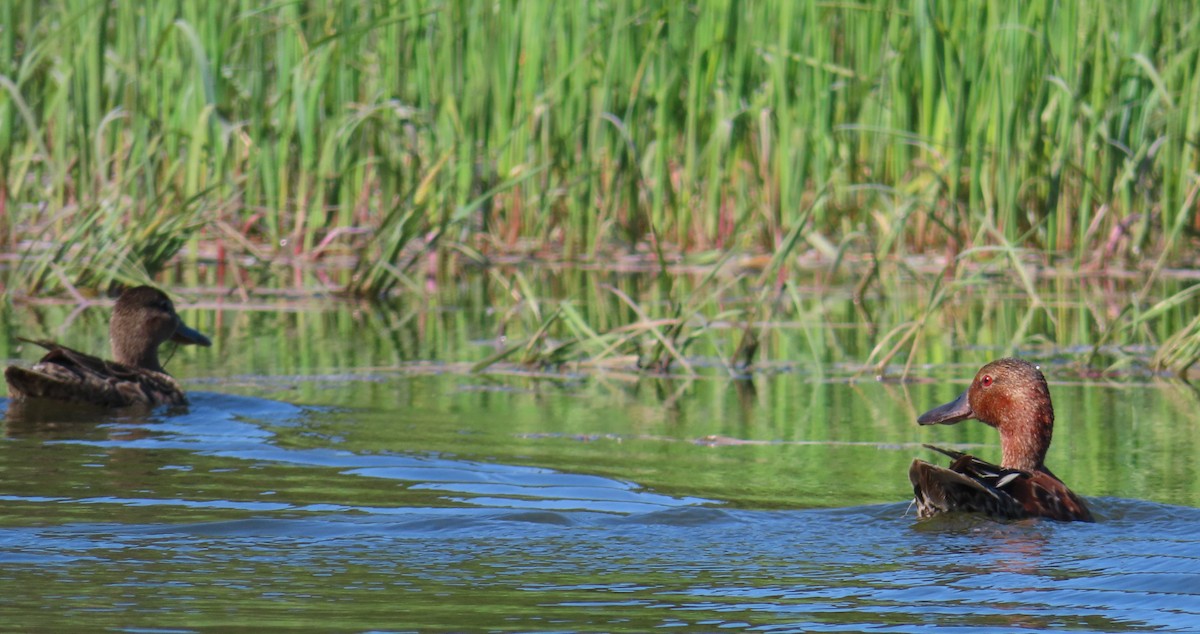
(136, 134)
(700, 127)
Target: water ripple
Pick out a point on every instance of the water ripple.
(469, 541)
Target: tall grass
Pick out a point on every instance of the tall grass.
(134, 134)
(580, 127)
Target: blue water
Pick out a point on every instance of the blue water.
(245, 513)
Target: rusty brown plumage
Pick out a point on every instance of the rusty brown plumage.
(1012, 396)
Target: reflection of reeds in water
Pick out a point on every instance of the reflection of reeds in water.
(721, 319)
(1115, 435)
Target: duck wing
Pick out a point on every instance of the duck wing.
(64, 374)
(974, 485)
(1044, 495)
(941, 490)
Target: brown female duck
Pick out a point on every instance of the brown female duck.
(1012, 396)
(142, 319)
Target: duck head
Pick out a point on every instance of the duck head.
(1012, 396)
(143, 319)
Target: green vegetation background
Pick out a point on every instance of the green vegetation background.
(133, 135)
(935, 165)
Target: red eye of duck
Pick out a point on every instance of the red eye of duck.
(986, 381)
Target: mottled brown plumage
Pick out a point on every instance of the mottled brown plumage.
(1012, 396)
(143, 318)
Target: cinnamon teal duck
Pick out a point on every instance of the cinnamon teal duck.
(1012, 396)
(142, 319)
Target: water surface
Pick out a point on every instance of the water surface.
(350, 486)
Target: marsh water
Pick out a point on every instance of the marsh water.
(339, 468)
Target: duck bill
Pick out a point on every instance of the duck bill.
(183, 334)
(957, 410)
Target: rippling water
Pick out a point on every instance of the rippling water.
(336, 471)
(242, 513)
